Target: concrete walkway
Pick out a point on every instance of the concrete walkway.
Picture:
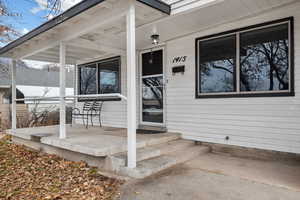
(218, 177)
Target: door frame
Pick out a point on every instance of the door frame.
(141, 122)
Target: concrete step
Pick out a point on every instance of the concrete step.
(120, 160)
(154, 165)
(106, 144)
(154, 129)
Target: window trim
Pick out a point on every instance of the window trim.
(238, 93)
(97, 79)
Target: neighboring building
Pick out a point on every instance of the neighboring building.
(30, 82)
(34, 81)
(224, 71)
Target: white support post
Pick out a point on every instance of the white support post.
(13, 96)
(62, 91)
(131, 87)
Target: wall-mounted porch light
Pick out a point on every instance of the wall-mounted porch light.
(155, 39)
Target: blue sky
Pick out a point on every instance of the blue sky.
(28, 20)
(33, 13)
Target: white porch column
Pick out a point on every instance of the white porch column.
(62, 91)
(13, 96)
(131, 88)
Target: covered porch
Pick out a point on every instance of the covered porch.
(106, 148)
(89, 31)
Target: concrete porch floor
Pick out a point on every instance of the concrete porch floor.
(94, 141)
(215, 177)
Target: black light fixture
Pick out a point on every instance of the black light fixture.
(155, 39)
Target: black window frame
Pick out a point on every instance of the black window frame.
(97, 74)
(290, 92)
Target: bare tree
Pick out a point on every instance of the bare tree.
(53, 7)
(261, 62)
(8, 32)
(156, 88)
(272, 56)
(39, 115)
(88, 78)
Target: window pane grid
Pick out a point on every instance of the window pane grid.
(279, 64)
(105, 77)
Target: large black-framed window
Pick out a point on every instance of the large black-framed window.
(100, 77)
(255, 61)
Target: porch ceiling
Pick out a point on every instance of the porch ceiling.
(96, 31)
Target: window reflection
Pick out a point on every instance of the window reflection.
(153, 99)
(108, 77)
(88, 79)
(217, 65)
(264, 59)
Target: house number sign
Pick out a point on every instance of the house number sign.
(181, 67)
(179, 59)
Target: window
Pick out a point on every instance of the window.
(109, 77)
(265, 59)
(152, 63)
(217, 64)
(101, 77)
(253, 61)
(87, 79)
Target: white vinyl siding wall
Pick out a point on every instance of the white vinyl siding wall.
(260, 122)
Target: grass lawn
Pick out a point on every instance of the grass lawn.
(31, 175)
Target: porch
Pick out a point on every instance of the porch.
(106, 148)
(94, 141)
(87, 32)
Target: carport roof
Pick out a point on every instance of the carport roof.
(72, 12)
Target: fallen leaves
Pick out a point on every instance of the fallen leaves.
(27, 174)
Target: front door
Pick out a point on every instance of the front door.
(152, 88)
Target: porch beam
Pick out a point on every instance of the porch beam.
(13, 96)
(45, 58)
(97, 45)
(62, 91)
(71, 55)
(73, 51)
(51, 55)
(131, 87)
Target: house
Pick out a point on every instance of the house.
(30, 82)
(33, 81)
(215, 71)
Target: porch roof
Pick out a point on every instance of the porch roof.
(97, 29)
(88, 12)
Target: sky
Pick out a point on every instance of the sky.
(32, 13)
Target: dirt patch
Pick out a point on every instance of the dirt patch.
(28, 174)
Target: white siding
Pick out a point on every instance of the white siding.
(266, 123)
(180, 6)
